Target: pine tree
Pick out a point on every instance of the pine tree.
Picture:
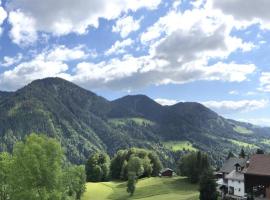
(242, 154)
(230, 155)
(208, 186)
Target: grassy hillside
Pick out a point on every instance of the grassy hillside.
(179, 146)
(147, 189)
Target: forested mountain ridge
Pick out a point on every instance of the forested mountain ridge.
(84, 122)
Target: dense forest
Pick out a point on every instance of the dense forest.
(85, 123)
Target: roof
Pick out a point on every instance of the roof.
(259, 164)
(234, 175)
(229, 165)
(166, 169)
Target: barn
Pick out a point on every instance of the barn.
(167, 172)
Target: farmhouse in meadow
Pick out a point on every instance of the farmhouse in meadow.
(167, 172)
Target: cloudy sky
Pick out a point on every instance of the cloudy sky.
(211, 51)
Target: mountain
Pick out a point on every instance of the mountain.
(84, 123)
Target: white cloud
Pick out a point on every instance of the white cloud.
(233, 92)
(265, 122)
(265, 82)
(66, 16)
(181, 44)
(166, 102)
(29, 71)
(49, 63)
(23, 31)
(130, 73)
(62, 53)
(228, 107)
(126, 25)
(119, 47)
(3, 16)
(246, 11)
(9, 61)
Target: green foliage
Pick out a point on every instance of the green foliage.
(145, 163)
(98, 167)
(242, 154)
(208, 186)
(36, 169)
(74, 181)
(230, 155)
(86, 123)
(259, 151)
(131, 183)
(5, 167)
(193, 165)
(35, 172)
(135, 166)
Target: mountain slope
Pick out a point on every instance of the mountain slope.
(84, 122)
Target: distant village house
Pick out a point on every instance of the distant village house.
(167, 172)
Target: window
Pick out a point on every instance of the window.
(239, 190)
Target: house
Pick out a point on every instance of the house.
(232, 178)
(236, 183)
(166, 172)
(257, 176)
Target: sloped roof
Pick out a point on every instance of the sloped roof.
(259, 164)
(229, 165)
(234, 175)
(166, 169)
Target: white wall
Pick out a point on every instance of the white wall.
(237, 186)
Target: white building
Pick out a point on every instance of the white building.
(231, 182)
(236, 183)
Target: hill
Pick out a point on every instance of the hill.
(146, 189)
(84, 123)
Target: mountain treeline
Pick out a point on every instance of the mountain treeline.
(85, 123)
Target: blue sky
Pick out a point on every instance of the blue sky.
(210, 51)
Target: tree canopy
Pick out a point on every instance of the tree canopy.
(36, 171)
(193, 165)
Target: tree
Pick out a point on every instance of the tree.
(131, 183)
(156, 163)
(135, 166)
(36, 169)
(193, 165)
(150, 161)
(242, 154)
(259, 151)
(5, 164)
(74, 180)
(230, 155)
(208, 186)
(98, 167)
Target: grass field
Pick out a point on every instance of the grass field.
(179, 146)
(242, 130)
(266, 141)
(147, 189)
(243, 144)
(136, 120)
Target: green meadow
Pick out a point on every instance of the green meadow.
(179, 146)
(147, 189)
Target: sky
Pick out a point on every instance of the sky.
(215, 52)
